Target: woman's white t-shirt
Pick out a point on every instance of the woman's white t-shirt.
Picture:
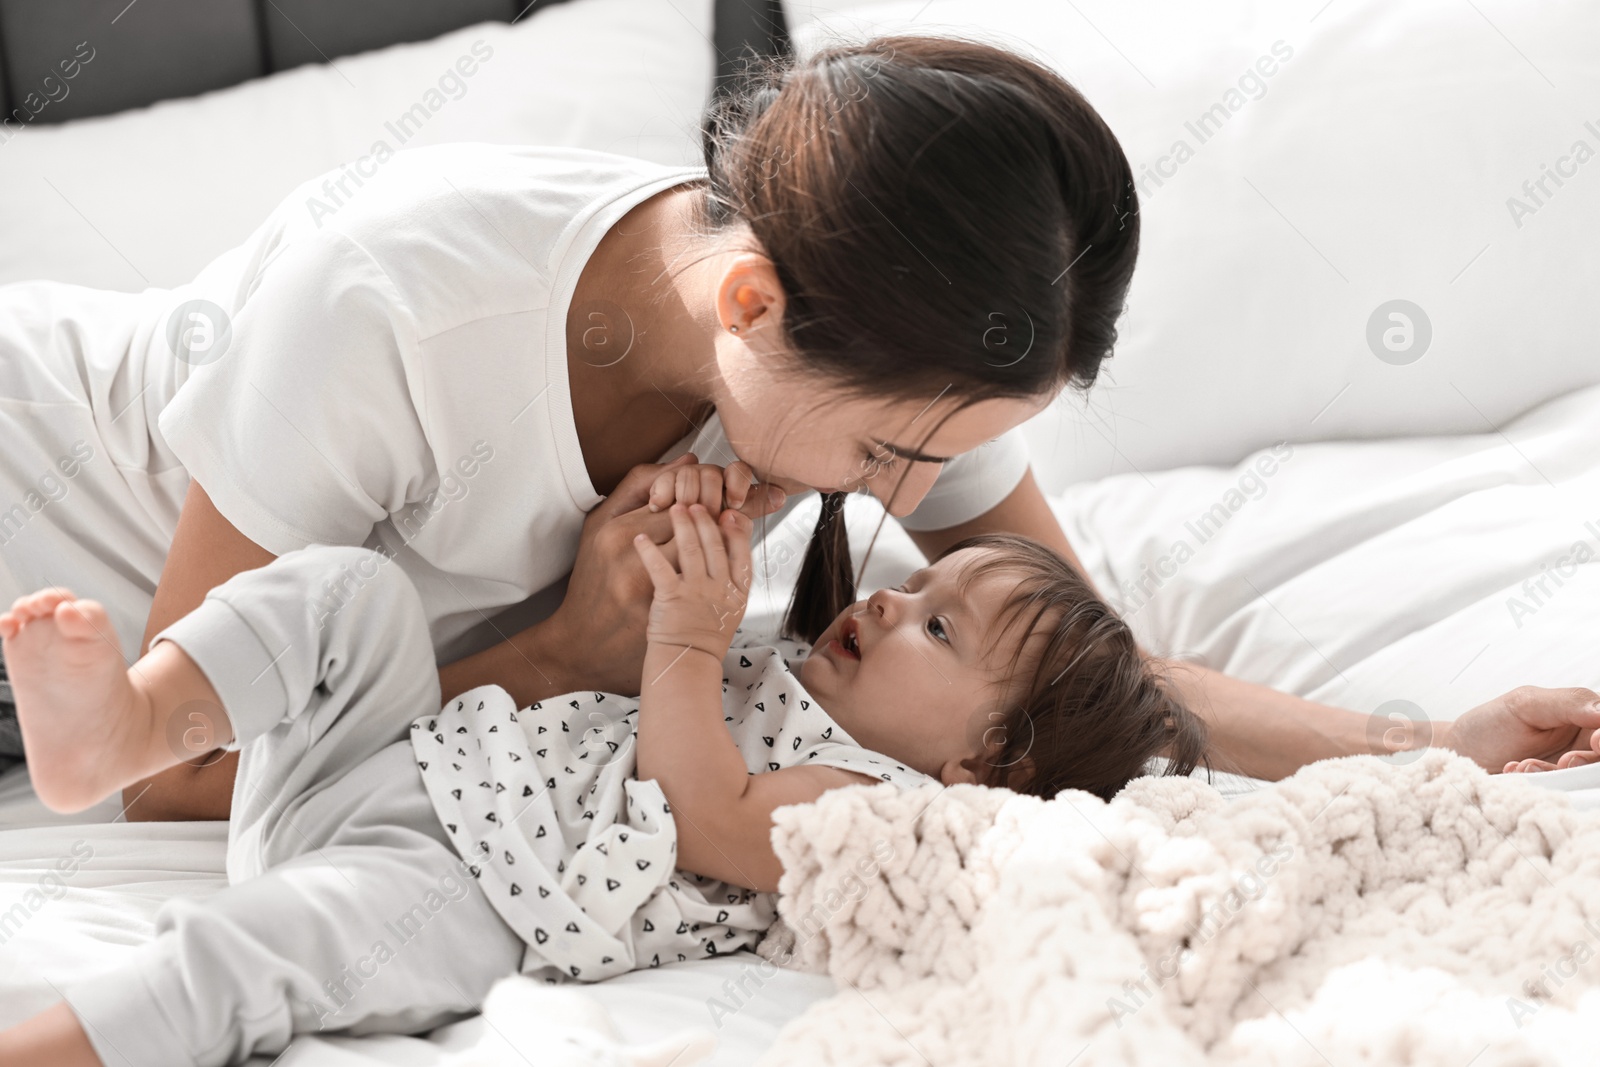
(394, 374)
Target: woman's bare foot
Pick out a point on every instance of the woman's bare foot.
(81, 715)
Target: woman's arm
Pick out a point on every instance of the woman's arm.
(594, 641)
(53, 1038)
(596, 638)
(1264, 733)
(206, 551)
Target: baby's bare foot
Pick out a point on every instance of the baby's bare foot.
(78, 711)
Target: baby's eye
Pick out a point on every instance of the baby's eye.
(936, 628)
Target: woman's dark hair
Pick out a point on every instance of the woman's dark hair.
(1092, 711)
(944, 216)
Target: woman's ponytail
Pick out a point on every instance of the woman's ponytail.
(827, 582)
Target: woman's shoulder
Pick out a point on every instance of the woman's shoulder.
(528, 198)
(456, 231)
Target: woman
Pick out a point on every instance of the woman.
(896, 254)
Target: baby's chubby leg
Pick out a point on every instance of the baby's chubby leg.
(91, 724)
(287, 644)
(376, 927)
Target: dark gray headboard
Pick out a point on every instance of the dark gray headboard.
(149, 50)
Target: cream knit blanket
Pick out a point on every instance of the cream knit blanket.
(1360, 912)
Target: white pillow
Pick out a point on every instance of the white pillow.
(800, 12)
(148, 197)
(1373, 164)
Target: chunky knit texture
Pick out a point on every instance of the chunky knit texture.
(1359, 912)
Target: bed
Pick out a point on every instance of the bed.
(1374, 575)
(1404, 537)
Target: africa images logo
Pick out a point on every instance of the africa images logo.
(1251, 85)
(1538, 191)
(403, 128)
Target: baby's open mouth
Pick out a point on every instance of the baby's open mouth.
(849, 640)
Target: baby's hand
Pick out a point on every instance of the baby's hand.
(700, 607)
(705, 483)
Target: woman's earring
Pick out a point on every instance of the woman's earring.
(733, 329)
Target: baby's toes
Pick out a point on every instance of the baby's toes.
(31, 606)
(40, 604)
(83, 620)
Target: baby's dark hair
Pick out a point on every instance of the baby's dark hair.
(1092, 711)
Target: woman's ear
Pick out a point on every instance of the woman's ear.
(749, 295)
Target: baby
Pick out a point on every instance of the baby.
(390, 857)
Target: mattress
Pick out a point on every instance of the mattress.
(1426, 575)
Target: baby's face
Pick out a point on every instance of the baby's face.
(910, 672)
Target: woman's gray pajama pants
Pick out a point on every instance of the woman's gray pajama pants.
(346, 908)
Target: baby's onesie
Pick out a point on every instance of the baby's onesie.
(388, 858)
(576, 854)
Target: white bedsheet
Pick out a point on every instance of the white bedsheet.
(1356, 573)
(1362, 573)
(1365, 572)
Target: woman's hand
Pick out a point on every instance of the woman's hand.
(598, 632)
(1543, 728)
(699, 602)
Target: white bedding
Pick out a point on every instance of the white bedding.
(1370, 571)
(148, 197)
(1357, 573)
